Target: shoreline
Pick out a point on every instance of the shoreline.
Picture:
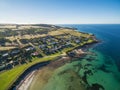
(26, 82)
(85, 47)
(61, 61)
(26, 73)
(66, 59)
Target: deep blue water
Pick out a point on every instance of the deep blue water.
(110, 36)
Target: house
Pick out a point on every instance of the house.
(35, 54)
(14, 52)
(2, 67)
(29, 48)
(71, 54)
(5, 55)
(77, 41)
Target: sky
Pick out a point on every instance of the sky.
(60, 11)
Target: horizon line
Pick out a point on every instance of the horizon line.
(56, 23)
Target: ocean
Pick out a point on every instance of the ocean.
(105, 66)
(109, 34)
(99, 70)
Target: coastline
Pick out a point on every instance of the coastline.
(65, 59)
(24, 83)
(84, 46)
(28, 71)
(53, 64)
(76, 74)
(102, 72)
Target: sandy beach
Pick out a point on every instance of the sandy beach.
(25, 83)
(46, 72)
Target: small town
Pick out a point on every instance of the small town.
(20, 47)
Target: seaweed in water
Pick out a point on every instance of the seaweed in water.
(96, 87)
(103, 68)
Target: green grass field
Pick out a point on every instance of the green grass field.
(8, 77)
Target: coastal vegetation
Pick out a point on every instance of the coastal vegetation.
(8, 77)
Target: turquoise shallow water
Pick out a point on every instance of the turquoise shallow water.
(99, 70)
(110, 36)
(82, 74)
(105, 65)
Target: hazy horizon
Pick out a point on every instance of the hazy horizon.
(60, 23)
